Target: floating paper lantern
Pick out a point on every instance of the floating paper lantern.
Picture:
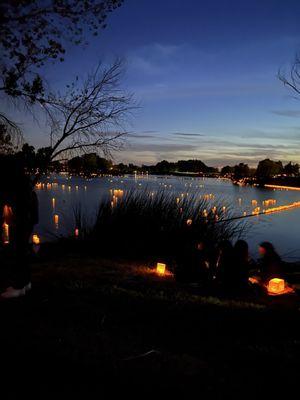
(53, 202)
(76, 232)
(161, 268)
(276, 285)
(56, 219)
(5, 227)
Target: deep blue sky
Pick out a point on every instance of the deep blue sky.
(205, 74)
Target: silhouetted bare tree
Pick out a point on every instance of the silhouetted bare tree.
(292, 78)
(90, 115)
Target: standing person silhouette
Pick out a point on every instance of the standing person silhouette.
(19, 197)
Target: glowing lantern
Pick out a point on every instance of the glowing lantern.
(76, 232)
(189, 222)
(53, 202)
(5, 233)
(36, 239)
(36, 243)
(63, 187)
(276, 285)
(56, 219)
(160, 268)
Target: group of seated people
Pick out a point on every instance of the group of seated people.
(228, 266)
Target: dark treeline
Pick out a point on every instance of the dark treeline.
(267, 170)
(91, 163)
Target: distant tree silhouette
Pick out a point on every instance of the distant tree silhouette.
(241, 171)
(291, 169)
(267, 169)
(227, 170)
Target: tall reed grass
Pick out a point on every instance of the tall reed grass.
(159, 224)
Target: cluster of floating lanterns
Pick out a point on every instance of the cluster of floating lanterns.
(269, 202)
(209, 196)
(116, 194)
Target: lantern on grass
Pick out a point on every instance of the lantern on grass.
(161, 268)
(276, 285)
(35, 243)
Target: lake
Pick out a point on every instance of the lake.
(61, 194)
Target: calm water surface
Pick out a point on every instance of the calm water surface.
(282, 229)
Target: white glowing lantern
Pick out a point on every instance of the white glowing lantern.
(161, 268)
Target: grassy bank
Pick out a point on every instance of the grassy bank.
(99, 326)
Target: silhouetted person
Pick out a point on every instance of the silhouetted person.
(241, 267)
(203, 260)
(192, 262)
(19, 196)
(225, 263)
(270, 263)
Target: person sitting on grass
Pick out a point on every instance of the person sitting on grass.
(241, 268)
(202, 261)
(270, 264)
(192, 262)
(224, 264)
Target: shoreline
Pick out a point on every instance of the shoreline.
(282, 187)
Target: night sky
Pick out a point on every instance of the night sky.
(205, 76)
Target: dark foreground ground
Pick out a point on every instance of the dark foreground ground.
(101, 327)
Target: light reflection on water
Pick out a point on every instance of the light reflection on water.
(282, 229)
